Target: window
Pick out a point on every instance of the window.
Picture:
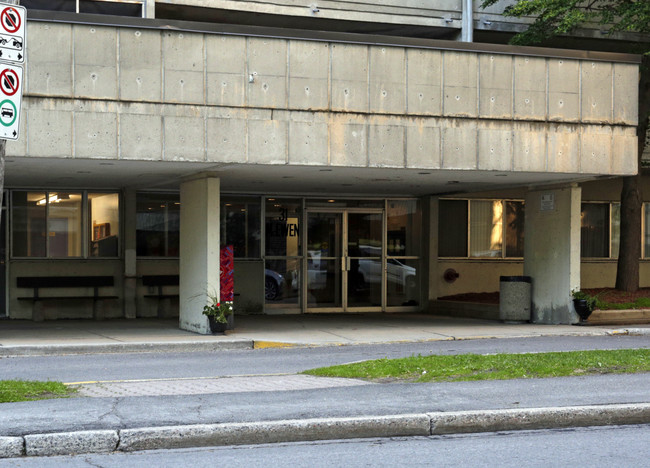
(599, 230)
(101, 7)
(282, 268)
(157, 224)
(241, 225)
(49, 224)
(452, 228)
(484, 228)
(404, 226)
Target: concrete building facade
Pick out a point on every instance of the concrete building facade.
(339, 165)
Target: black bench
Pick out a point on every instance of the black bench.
(159, 282)
(46, 282)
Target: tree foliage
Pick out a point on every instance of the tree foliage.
(561, 17)
(558, 17)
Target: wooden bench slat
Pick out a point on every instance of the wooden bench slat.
(64, 281)
(160, 280)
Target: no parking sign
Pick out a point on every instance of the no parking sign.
(13, 22)
(11, 82)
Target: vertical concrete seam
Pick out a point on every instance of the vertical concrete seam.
(287, 68)
(547, 97)
(442, 83)
(404, 82)
(162, 66)
(117, 92)
(613, 104)
(330, 48)
(205, 97)
(580, 95)
(368, 64)
(72, 75)
(247, 111)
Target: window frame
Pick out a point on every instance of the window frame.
(169, 195)
(503, 256)
(609, 256)
(85, 225)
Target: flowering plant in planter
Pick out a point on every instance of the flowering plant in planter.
(218, 310)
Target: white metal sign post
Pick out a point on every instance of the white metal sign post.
(13, 22)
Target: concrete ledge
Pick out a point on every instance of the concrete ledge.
(11, 447)
(538, 418)
(136, 347)
(437, 423)
(68, 443)
(273, 432)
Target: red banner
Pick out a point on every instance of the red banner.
(227, 274)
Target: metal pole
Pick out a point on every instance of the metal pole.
(467, 32)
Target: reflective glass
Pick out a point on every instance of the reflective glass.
(29, 221)
(515, 229)
(486, 228)
(241, 225)
(282, 228)
(158, 224)
(404, 228)
(104, 216)
(594, 230)
(64, 224)
(402, 283)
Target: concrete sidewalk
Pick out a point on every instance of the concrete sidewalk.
(100, 428)
(19, 337)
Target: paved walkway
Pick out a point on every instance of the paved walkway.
(98, 423)
(271, 331)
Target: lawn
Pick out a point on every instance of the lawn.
(27, 390)
(493, 366)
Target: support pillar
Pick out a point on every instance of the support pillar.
(431, 275)
(552, 252)
(130, 264)
(199, 251)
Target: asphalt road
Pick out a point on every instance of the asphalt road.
(585, 447)
(128, 366)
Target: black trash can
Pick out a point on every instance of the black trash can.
(515, 299)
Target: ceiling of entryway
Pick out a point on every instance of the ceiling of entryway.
(21, 172)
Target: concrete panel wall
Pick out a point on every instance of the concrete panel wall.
(162, 95)
(441, 13)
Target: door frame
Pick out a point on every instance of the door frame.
(344, 259)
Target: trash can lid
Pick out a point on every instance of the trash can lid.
(515, 279)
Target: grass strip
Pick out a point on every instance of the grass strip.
(27, 390)
(465, 367)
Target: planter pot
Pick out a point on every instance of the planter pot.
(582, 309)
(218, 328)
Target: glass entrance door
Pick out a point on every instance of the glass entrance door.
(344, 261)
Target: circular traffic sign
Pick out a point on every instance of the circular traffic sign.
(8, 113)
(9, 82)
(10, 19)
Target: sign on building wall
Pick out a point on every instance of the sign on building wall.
(13, 22)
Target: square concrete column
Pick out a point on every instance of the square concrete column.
(430, 274)
(199, 251)
(552, 252)
(130, 264)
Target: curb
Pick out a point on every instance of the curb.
(135, 347)
(402, 425)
